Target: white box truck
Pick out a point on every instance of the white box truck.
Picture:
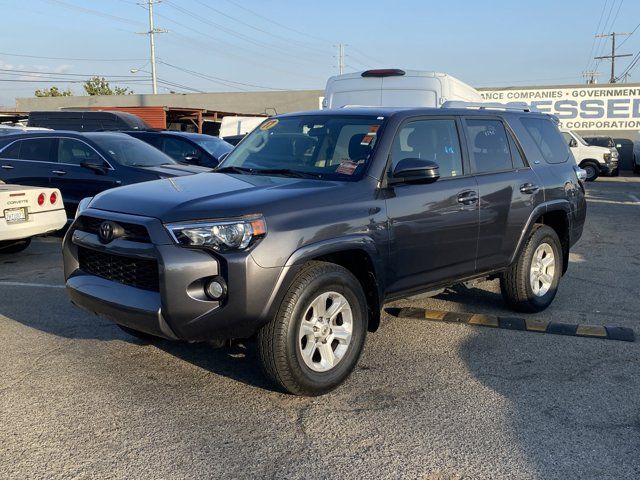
(394, 87)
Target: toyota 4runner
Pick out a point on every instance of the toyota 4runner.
(317, 219)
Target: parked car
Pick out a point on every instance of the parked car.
(393, 87)
(26, 212)
(624, 146)
(87, 120)
(636, 157)
(606, 142)
(83, 164)
(185, 147)
(593, 159)
(317, 219)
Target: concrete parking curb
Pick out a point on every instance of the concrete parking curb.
(515, 323)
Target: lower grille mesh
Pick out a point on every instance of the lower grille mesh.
(135, 272)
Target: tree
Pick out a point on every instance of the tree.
(100, 86)
(53, 92)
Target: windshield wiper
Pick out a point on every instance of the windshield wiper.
(286, 172)
(231, 169)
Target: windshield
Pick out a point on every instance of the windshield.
(327, 147)
(582, 140)
(214, 146)
(131, 152)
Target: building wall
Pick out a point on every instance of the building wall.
(237, 102)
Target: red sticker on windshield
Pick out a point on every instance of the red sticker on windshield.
(366, 140)
(347, 167)
(374, 130)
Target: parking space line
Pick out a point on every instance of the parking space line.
(515, 323)
(34, 285)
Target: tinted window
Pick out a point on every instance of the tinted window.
(516, 156)
(489, 146)
(178, 149)
(75, 152)
(435, 140)
(12, 151)
(38, 149)
(129, 151)
(548, 139)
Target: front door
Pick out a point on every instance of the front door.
(28, 162)
(434, 226)
(75, 181)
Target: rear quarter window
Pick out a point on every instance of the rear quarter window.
(547, 139)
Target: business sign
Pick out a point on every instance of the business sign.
(614, 107)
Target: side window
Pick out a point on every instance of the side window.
(435, 140)
(548, 139)
(12, 151)
(489, 146)
(37, 149)
(516, 156)
(74, 152)
(178, 149)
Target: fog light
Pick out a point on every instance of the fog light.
(216, 288)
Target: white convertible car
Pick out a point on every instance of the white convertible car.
(26, 212)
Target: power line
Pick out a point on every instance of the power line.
(42, 72)
(606, 27)
(94, 12)
(74, 59)
(595, 39)
(613, 55)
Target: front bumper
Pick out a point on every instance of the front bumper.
(608, 168)
(177, 307)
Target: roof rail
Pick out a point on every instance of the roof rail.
(515, 106)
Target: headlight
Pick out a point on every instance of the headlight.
(607, 157)
(83, 205)
(223, 235)
(614, 153)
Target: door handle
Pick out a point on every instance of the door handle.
(7, 167)
(529, 188)
(59, 172)
(468, 197)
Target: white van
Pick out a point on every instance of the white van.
(396, 88)
(231, 126)
(593, 159)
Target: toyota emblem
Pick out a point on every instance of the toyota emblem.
(107, 232)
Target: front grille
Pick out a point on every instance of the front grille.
(135, 272)
(132, 232)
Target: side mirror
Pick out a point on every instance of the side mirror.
(192, 159)
(415, 170)
(96, 166)
(573, 143)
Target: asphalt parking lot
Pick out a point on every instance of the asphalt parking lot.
(81, 399)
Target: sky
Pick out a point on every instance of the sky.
(258, 45)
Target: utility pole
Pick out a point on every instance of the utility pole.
(341, 57)
(152, 44)
(613, 55)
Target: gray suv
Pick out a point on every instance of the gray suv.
(316, 219)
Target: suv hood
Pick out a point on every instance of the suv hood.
(210, 196)
(177, 170)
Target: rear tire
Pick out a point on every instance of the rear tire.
(14, 246)
(592, 169)
(531, 283)
(314, 342)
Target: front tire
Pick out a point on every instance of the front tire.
(14, 246)
(531, 283)
(592, 170)
(314, 342)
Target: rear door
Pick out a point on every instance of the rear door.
(509, 189)
(28, 161)
(75, 181)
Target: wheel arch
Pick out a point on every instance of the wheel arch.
(357, 253)
(555, 215)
